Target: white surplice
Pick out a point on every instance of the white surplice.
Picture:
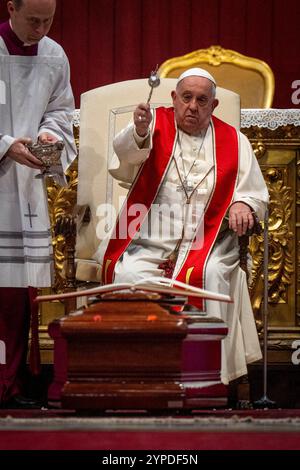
(36, 97)
(153, 246)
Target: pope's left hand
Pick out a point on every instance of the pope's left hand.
(46, 138)
(240, 218)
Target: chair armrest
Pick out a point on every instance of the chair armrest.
(66, 226)
(257, 227)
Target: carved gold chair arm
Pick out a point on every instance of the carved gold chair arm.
(67, 226)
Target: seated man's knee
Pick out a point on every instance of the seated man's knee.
(214, 272)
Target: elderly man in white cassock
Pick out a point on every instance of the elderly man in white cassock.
(36, 103)
(200, 170)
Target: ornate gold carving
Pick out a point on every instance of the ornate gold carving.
(281, 265)
(61, 202)
(281, 135)
(259, 149)
(215, 55)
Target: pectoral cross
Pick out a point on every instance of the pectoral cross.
(30, 215)
(186, 186)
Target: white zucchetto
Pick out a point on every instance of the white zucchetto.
(196, 71)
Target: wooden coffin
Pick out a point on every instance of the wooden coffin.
(137, 355)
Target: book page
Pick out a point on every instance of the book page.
(159, 285)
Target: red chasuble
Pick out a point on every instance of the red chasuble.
(147, 185)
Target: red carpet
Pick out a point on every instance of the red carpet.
(116, 440)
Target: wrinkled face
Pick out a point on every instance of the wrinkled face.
(32, 21)
(194, 103)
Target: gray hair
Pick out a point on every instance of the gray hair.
(213, 90)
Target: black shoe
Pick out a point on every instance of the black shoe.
(20, 402)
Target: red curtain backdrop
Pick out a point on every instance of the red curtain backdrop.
(113, 40)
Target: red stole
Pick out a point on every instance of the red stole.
(143, 191)
(146, 187)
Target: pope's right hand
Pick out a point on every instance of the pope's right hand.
(20, 153)
(142, 118)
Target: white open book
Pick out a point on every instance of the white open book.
(160, 285)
